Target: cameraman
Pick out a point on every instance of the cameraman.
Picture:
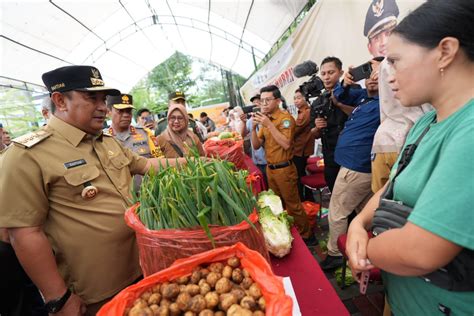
(330, 122)
(353, 183)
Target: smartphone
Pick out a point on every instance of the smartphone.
(364, 282)
(256, 110)
(361, 72)
(148, 119)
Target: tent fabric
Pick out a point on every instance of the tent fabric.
(126, 39)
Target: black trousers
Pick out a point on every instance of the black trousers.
(18, 295)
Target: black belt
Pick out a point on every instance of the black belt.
(279, 165)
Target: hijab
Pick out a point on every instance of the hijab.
(184, 138)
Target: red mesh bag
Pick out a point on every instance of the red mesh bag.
(277, 302)
(227, 149)
(158, 249)
(311, 209)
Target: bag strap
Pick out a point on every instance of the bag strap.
(405, 159)
(177, 149)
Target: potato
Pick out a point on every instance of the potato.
(140, 311)
(197, 304)
(261, 303)
(212, 299)
(202, 281)
(204, 288)
(237, 275)
(216, 267)
(206, 312)
(165, 302)
(154, 308)
(227, 272)
(139, 302)
(162, 311)
(236, 310)
(170, 290)
(182, 288)
(226, 300)
(223, 285)
(183, 300)
(212, 278)
(219, 313)
(189, 313)
(246, 283)
(195, 277)
(182, 280)
(245, 273)
(248, 302)
(146, 295)
(192, 289)
(234, 262)
(174, 309)
(239, 293)
(156, 288)
(258, 313)
(204, 272)
(155, 298)
(254, 291)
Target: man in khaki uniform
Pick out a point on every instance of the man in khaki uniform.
(276, 136)
(63, 190)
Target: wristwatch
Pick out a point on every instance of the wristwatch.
(54, 306)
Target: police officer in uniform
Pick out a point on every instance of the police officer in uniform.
(136, 138)
(63, 190)
(276, 136)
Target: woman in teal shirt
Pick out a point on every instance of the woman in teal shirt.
(432, 56)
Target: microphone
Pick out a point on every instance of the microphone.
(306, 68)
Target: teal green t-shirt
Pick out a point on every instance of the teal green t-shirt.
(439, 184)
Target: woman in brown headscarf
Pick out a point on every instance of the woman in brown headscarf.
(177, 140)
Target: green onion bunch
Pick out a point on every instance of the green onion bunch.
(200, 193)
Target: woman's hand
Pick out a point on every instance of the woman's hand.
(356, 249)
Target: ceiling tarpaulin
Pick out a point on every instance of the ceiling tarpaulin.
(125, 39)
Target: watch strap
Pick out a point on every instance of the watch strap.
(55, 305)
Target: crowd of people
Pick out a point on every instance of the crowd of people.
(398, 152)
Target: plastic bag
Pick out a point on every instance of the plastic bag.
(277, 302)
(311, 209)
(227, 149)
(158, 249)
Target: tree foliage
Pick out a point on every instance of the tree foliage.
(17, 112)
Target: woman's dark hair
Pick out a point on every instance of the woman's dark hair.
(273, 89)
(437, 19)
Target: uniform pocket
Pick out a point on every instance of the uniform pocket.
(81, 175)
(119, 161)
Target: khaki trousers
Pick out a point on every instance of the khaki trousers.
(381, 167)
(284, 182)
(351, 192)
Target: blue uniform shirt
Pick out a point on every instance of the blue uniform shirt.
(258, 156)
(355, 141)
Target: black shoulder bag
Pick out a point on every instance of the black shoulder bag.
(458, 275)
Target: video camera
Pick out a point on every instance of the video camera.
(312, 88)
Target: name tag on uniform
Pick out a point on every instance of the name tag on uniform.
(75, 163)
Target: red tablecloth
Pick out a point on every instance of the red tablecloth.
(313, 291)
(259, 185)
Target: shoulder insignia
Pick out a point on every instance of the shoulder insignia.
(286, 123)
(108, 132)
(31, 139)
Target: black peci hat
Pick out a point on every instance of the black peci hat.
(257, 96)
(80, 78)
(176, 96)
(381, 15)
(120, 102)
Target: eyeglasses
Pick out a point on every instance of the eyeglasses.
(176, 118)
(267, 100)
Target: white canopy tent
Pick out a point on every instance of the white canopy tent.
(125, 39)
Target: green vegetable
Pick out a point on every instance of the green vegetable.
(200, 193)
(268, 198)
(225, 135)
(349, 278)
(276, 230)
